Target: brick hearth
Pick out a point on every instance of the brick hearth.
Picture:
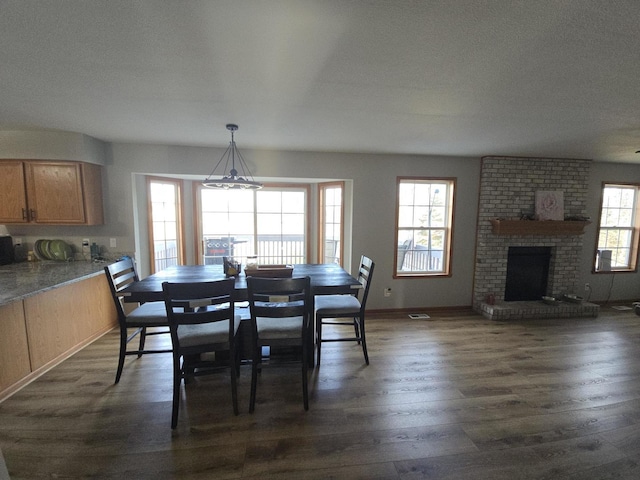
(538, 309)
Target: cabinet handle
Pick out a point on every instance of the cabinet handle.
(24, 214)
(33, 214)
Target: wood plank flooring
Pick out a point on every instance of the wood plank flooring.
(446, 398)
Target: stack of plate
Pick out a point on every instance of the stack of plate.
(52, 250)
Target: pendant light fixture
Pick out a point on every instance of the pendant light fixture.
(232, 180)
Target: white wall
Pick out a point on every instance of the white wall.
(374, 184)
(374, 189)
(51, 145)
(607, 286)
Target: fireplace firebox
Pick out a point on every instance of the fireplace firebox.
(527, 273)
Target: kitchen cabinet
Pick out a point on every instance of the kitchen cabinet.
(42, 330)
(60, 319)
(14, 350)
(50, 193)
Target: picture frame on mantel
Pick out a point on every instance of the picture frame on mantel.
(549, 205)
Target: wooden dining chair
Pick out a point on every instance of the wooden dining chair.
(202, 320)
(345, 310)
(280, 316)
(143, 317)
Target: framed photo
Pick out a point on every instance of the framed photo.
(549, 205)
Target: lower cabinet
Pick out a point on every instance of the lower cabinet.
(14, 350)
(44, 329)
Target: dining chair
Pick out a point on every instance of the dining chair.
(202, 320)
(336, 309)
(143, 317)
(280, 316)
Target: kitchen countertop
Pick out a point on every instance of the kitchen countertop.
(21, 280)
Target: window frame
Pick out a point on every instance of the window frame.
(449, 217)
(267, 186)
(322, 190)
(181, 254)
(634, 230)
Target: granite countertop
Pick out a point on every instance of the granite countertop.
(21, 280)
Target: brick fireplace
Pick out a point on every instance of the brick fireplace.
(507, 191)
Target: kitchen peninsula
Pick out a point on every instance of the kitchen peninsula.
(48, 311)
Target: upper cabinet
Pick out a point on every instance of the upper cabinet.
(53, 193)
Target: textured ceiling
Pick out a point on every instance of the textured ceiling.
(556, 78)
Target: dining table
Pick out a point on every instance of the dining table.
(325, 278)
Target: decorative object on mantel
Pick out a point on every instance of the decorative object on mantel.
(232, 180)
(549, 205)
(536, 227)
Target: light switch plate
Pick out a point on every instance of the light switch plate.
(113, 243)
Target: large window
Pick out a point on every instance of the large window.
(270, 223)
(617, 248)
(165, 224)
(330, 242)
(423, 226)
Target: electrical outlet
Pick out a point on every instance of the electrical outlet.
(387, 292)
(587, 287)
(86, 242)
(113, 243)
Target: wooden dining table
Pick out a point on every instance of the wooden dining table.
(326, 279)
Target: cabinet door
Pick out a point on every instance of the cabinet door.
(55, 192)
(62, 319)
(13, 195)
(14, 350)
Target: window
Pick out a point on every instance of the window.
(164, 217)
(424, 213)
(270, 223)
(331, 230)
(617, 248)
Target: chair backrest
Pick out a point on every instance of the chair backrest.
(280, 298)
(190, 303)
(365, 276)
(120, 274)
(193, 303)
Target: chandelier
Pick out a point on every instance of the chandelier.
(233, 180)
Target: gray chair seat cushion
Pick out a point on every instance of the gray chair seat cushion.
(205, 333)
(279, 328)
(336, 304)
(152, 313)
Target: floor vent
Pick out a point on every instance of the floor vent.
(418, 316)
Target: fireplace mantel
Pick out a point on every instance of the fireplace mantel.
(538, 227)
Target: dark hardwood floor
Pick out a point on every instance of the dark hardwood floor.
(460, 397)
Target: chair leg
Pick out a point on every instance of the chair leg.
(143, 337)
(364, 341)
(238, 359)
(319, 337)
(254, 377)
(123, 349)
(356, 327)
(177, 377)
(233, 358)
(305, 382)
